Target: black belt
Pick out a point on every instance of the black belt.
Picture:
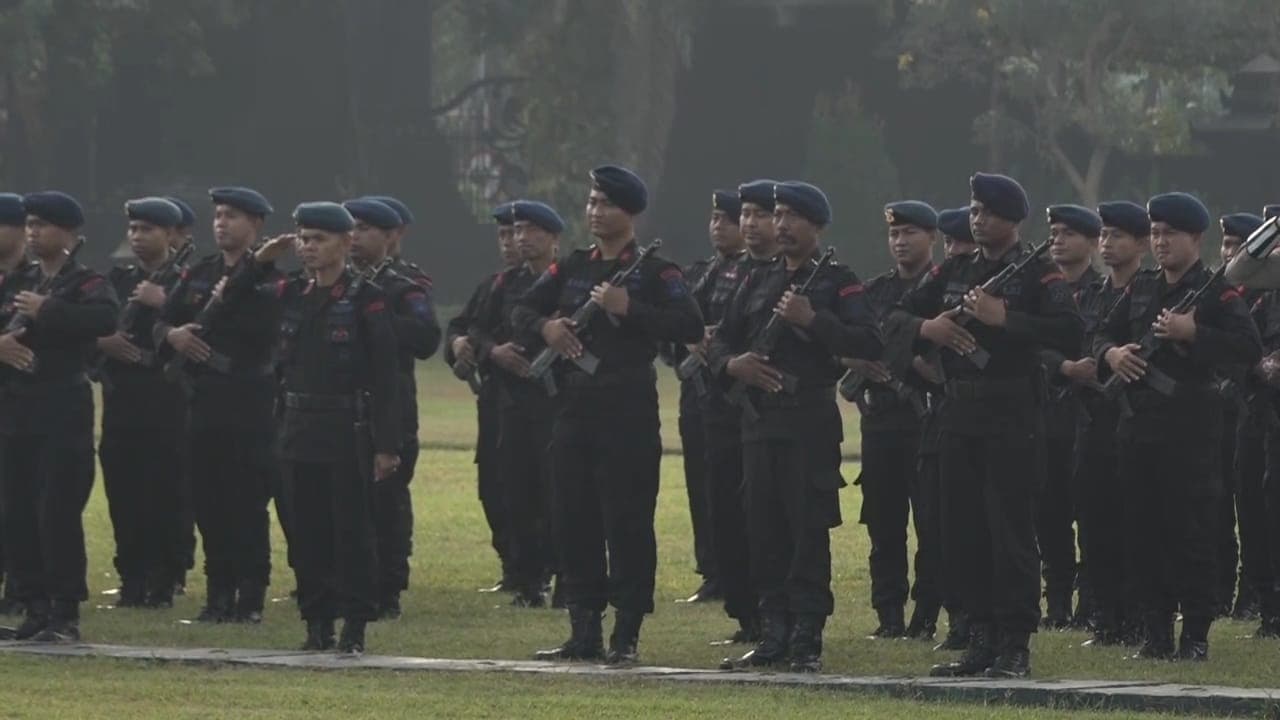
(313, 401)
(804, 397)
(226, 368)
(576, 379)
(987, 389)
(35, 388)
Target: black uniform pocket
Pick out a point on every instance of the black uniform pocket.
(825, 482)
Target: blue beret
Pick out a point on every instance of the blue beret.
(1270, 211)
(954, 223)
(623, 188)
(504, 214)
(188, 215)
(406, 215)
(1127, 216)
(911, 212)
(807, 200)
(242, 199)
(373, 212)
(155, 210)
(727, 203)
(758, 193)
(538, 213)
(12, 211)
(1241, 225)
(1077, 217)
(54, 207)
(327, 216)
(1000, 194)
(1181, 211)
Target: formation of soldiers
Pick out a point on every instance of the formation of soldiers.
(1008, 399)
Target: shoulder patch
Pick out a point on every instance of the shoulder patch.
(1052, 277)
(671, 273)
(1228, 295)
(91, 283)
(852, 289)
(553, 269)
(375, 307)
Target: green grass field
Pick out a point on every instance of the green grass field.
(446, 617)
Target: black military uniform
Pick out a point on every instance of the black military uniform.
(140, 451)
(230, 424)
(1257, 418)
(1268, 579)
(605, 445)
(990, 435)
(13, 215)
(46, 437)
(1170, 447)
(791, 443)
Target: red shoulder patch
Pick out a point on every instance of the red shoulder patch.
(498, 280)
(671, 273)
(1052, 277)
(91, 283)
(1228, 295)
(553, 269)
(936, 271)
(376, 306)
(281, 284)
(851, 289)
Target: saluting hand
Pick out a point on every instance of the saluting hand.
(986, 309)
(944, 331)
(1179, 327)
(15, 354)
(755, 370)
(614, 300)
(795, 309)
(559, 336)
(1125, 362)
(275, 248)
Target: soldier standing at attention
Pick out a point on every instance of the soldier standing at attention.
(990, 421)
(1170, 448)
(13, 268)
(791, 426)
(340, 429)
(46, 420)
(605, 445)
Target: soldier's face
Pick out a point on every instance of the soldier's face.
(606, 220)
(13, 240)
(988, 228)
(1230, 246)
(507, 248)
(1119, 248)
(535, 243)
(149, 242)
(910, 245)
(952, 247)
(797, 236)
(1173, 249)
(320, 250)
(47, 240)
(369, 244)
(1069, 247)
(756, 224)
(726, 235)
(234, 229)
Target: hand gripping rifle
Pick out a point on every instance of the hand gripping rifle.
(47, 286)
(854, 384)
(766, 340)
(540, 368)
(993, 286)
(691, 368)
(162, 276)
(176, 369)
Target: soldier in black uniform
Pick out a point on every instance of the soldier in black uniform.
(413, 317)
(142, 417)
(891, 427)
(990, 422)
(340, 425)
(1099, 496)
(13, 266)
(46, 421)
(605, 444)
(186, 539)
(792, 432)
(1073, 231)
(524, 406)
(222, 355)
(459, 346)
(957, 239)
(1170, 447)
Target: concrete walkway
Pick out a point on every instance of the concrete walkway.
(1083, 694)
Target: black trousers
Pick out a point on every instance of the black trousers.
(45, 483)
(1100, 505)
(489, 473)
(337, 564)
(1271, 492)
(932, 588)
(727, 516)
(792, 503)
(1251, 510)
(142, 476)
(1227, 546)
(988, 504)
(1172, 488)
(1056, 517)
(694, 443)
(889, 468)
(604, 494)
(185, 542)
(231, 478)
(523, 451)
(393, 523)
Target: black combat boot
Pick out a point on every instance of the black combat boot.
(1106, 628)
(748, 632)
(351, 642)
(219, 603)
(1248, 606)
(1270, 607)
(10, 606)
(389, 607)
(64, 623)
(957, 632)
(1057, 614)
(624, 642)
(1193, 643)
(924, 622)
(708, 591)
(160, 593)
(37, 617)
(319, 635)
(1158, 644)
(133, 593)
(978, 656)
(1014, 660)
(891, 626)
(586, 638)
(529, 597)
(775, 632)
(250, 602)
(806, 643)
